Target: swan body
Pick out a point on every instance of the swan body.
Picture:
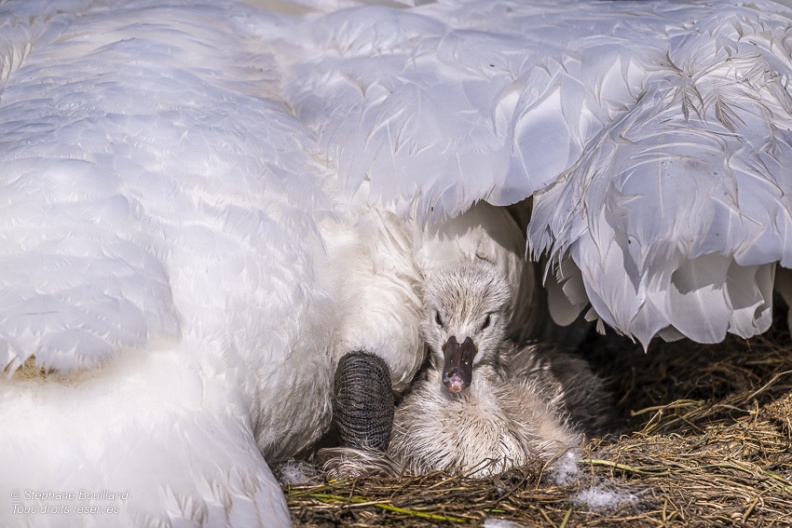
(501, 404)
(179, 270)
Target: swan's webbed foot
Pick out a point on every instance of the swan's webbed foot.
(344, 462)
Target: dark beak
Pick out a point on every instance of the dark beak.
(458, 368)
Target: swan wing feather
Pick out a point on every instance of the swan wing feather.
(651, 136)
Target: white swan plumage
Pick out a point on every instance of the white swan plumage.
(152, 267)
(653, 137)
(172, 175)
(179, 271)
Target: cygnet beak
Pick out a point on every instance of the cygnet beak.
(458, 368)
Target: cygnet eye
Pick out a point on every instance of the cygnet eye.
(486, 323)
(438, 320)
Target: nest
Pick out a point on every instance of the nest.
(706, 442)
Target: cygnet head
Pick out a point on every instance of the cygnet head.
(465, 319)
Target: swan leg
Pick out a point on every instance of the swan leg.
(363, 403)
(363, 409)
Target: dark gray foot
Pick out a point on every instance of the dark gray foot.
(363, 401)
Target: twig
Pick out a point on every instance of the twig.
(598, 462)
(565, 520)
(768, 384)
(324, 497)
(679, 404)
(750, 509)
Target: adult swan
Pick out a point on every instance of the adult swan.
(179, 271)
